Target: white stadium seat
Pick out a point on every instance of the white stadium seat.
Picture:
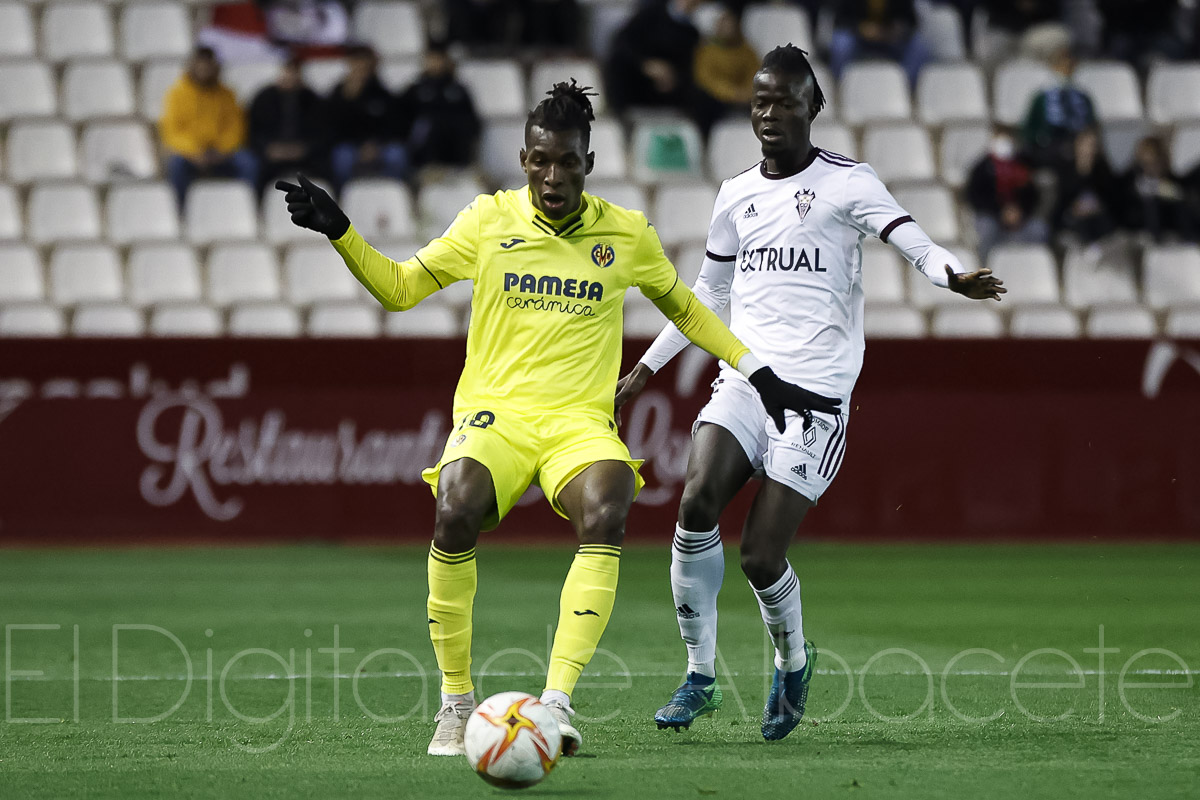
(26, 90)
(732, 148)
(63, 212)
(39, 151)
(882, 272)
(314, 273)
(392, 28)
(1114, 88)
(951, 92)
(220, 209)
(163, 273)
(626, 195)
(1121, 322)
(1183, 323)
(933, 208)
(117, 151)
(961, 148)
(1045, 322)
(92, 89)
(608, 143)
(157, 77)
(441, 202)
(76, 30)
(155, 30)
(11, 224)
(141, 212)
(426, 321)
(264, 320)
(1090, 281)
(893, 321)
(1028, 271)
(31, 319)
(967, 322)
(380, 207)
(586, 72)
(20, 274)
(1120, 139)
(323, 74)
(242, 273)
(16, 31)
(833, 137)
(641, 318)
(108, 319)
(496, 86)
(899, 152)
(682, 213)
(874, 91)
(1173, 92)
(186, 320)
(345, 320)
(1171, 275)
(768, 26)
(1014, 86)
(942, 27)
(666, 149)
(248, 78)
(1185, 148)
(85, 273)
(604, 21)
(688, 260)
(499, 153)
(398, 74)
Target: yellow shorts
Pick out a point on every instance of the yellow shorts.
(518, 448)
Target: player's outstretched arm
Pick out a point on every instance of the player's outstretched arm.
(941, 266)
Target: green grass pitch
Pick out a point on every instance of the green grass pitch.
(915, 695)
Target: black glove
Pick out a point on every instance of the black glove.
(311, 207)
(778, 396)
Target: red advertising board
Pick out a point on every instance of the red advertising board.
(245, 440)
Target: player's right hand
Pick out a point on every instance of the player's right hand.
(779, 396)
(630, 386)
(311, 207)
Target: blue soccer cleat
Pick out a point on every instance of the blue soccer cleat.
(789, 692)
(690, 700)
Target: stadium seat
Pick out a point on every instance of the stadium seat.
(20, 274)
(31, 320)
(63, 212)
(155, 30)
(625, 194)
(951, 92)
(157, 77)
(893, 321)
(92, 89)
(732, 148)
(1185, 148)
(141, 212)
(499, 150)
(220, 209)
(426, 321)
(882, 273)
(496, 86)
(899, 152)
(666, 149)
(392, 28)
(942, 28)
(1173, 92)
(603, 22)
(1121, 322)
(1171, 275)
(1014, 86)
(961, 148)
(585, 71)
(1114, 88)
(1183, 323)
(40, 151)
(117, 150)
(922, 292)
(688, 260)
(608, 143)
(833, 137)
(1090, 280)
(76, 30)
(682, 213)
(1045, 322)
(345, 320)
(641, 318)
(380, 207)
(274, 320)
(874, 91)
(26, 90)
(108, 319)
(278, 227)
(85, 273)
(442, 201)
(967, 322)
(398, 74)
(1120, 138)
(316, 273)
(934, 209)
(323, 74)
(186, 320)
(248, 78)
(1028, 271)
(768, 26)
(242, 273)
(16, 31)
(163, 273)
(11, 224)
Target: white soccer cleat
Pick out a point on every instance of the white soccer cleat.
(451, 721)
(571, 738)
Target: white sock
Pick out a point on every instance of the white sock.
(697, 569)
(459, 699)
(780, 607)
(554, 697)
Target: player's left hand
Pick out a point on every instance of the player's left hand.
(979, 285)
(779, 396)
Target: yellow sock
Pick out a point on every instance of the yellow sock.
(584, 609)
(451, 597)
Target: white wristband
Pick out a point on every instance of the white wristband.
(749, 364)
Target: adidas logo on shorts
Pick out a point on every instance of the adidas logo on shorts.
(750, 212)
(801, 470)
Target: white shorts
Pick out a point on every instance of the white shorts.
(804, 460)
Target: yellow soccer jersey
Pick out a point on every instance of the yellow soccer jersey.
(546, 312)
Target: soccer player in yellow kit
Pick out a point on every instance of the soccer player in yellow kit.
(550, 266)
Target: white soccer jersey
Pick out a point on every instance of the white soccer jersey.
(786, 251)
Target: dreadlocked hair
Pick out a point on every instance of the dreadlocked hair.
(567, 108)
(791, 59)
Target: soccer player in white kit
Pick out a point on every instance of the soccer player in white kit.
(785, 249)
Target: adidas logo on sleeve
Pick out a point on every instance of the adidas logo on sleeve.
(750, 212)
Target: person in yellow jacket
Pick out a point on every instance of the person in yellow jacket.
(725, 64)
(203, 129)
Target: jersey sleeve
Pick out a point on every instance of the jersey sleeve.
(653, 272)
(397, 285)
(722, 243)
(869, 206)
(454, 256)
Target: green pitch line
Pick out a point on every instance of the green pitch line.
(946, 672)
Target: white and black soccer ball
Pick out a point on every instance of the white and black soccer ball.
(512, 741)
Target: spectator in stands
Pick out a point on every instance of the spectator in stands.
(1008, 23)
(652, 62)
(1154, 199)
(1003, 196)
(1057, 115)
(202, 128)
(1137, 31)
(878, 29)
(363, 114)
(288, 130)
(436, 115)
(480, 23)
(1088, 204)
(726, 63)
(550, 24)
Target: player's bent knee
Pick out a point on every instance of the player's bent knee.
(699, 509)
(457, 524)
(762, 569)
(604, 523)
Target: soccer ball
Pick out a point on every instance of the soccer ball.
(512, 741)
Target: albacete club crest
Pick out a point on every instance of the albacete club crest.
(804, 201)
(603, 255)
